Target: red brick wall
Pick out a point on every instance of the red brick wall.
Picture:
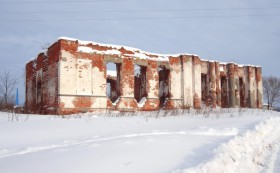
(45, 68)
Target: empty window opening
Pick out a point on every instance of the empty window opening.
(113, 81)
(39, 91)
(224, 92)
(140, 82)
(164, 94)
(204, 87)
(242, 93)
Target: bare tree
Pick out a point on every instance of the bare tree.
(7, 86)
(271, 89)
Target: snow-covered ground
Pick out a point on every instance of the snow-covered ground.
(233, 141)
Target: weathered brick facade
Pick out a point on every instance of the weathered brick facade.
(73, 76)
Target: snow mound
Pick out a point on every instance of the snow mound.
(216, 132)
(245, 153)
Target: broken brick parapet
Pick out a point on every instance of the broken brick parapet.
(72, 76)
(69, 46)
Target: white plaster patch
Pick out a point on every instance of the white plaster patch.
(197, 80)
(84, 77)
(99, 82)
(67, 101)
(153, 85)
(99, 102)
(67, 73)
(188, 80)
(175, 77)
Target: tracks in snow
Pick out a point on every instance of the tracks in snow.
(96, 139)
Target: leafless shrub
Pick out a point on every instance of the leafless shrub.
(271, 89)
(13, 116)
(7, 86)
(16, 117)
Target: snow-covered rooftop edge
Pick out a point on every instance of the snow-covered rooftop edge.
(162, 57)
(137, 52)
(81, 42)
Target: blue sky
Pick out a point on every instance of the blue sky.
(245, 32)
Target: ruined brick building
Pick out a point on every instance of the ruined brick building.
(77, 76)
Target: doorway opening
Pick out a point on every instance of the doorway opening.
(164, 93)
(140, 78)
(242, 93)
(224, 92)
(113, 81)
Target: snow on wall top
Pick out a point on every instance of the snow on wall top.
(134, 52)
(137, 53)
(225, 63)
(117, 50)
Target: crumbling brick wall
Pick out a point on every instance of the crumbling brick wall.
(42, 82)
(71, 77)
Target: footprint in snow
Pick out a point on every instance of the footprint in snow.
(126, 164)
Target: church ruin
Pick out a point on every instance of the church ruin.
(75, 76)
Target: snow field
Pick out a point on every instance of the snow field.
(188, 142)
